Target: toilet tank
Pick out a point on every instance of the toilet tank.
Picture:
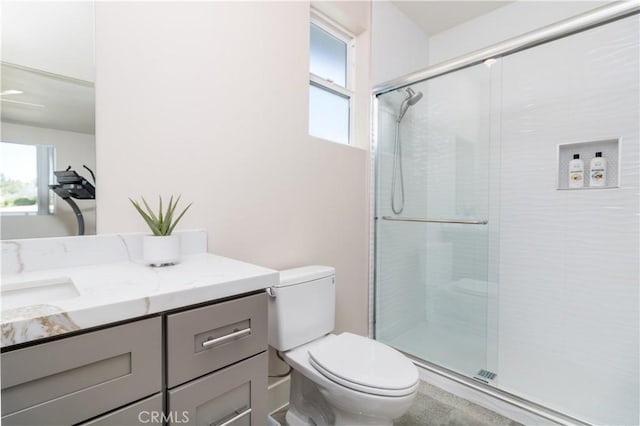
(302, 306)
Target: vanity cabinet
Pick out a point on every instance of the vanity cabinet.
(70, 380)
(235, 395)
(203, 365)
(200, 341)
(138, 413)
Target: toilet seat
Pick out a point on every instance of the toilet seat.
(364, 365)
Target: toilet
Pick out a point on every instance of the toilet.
(342, 379)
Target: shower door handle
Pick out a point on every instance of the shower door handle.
(427, 220)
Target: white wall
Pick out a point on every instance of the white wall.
(210, 100)
(501, 24)
(71, 149)
(398, 45)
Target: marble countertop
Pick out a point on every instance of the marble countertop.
(84, 296)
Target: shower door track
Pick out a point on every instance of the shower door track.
(509, 398)
(576, 24)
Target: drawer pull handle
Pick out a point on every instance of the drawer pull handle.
(234, 418)
(224, 339)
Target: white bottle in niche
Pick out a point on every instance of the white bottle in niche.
(598, 172)
(576, 172)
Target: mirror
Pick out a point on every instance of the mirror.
(48, 119)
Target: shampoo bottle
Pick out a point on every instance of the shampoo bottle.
(598, 172)
(576, 172)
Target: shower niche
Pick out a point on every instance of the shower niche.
(610, 151)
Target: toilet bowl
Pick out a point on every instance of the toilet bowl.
(379, 389)
(342, 379)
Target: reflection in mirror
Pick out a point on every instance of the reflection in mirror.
(47, 143)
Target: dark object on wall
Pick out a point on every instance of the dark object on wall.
(71, 185)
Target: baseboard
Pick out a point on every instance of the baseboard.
(278, 393)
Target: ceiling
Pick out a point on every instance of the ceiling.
(47, 68)
(436, 16)
(47, 100)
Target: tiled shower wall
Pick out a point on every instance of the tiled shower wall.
(400, 262)
(568, 292)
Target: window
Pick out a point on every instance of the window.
(25, 174)
(330, 80)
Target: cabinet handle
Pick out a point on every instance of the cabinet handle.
(224, 339)
(234, 418)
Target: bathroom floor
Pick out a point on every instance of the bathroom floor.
(435, 407)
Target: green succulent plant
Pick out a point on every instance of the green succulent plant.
(163, 223)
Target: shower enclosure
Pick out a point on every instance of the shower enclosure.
(486, 263)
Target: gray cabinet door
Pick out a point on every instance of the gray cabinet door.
(234, 396)
(203, 340)
(70, 380)
(145, 412)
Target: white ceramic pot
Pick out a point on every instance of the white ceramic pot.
(161, 250)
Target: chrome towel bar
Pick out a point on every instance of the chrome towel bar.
(426, 220)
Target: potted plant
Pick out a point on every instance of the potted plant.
(161, 248)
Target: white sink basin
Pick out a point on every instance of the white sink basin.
(27, 293)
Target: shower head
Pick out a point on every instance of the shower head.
(411, 99)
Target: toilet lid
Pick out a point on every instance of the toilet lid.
(365, 365)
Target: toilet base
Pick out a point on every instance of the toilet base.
(308, 405)
(293, 418)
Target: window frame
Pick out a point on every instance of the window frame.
(336, 30)
(45, 165)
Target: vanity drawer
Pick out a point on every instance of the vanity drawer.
(70, 380)
(147, 411)
(203, 340)
(234, 396)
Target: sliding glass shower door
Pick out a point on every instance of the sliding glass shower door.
(432, 247)
(481, 197)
